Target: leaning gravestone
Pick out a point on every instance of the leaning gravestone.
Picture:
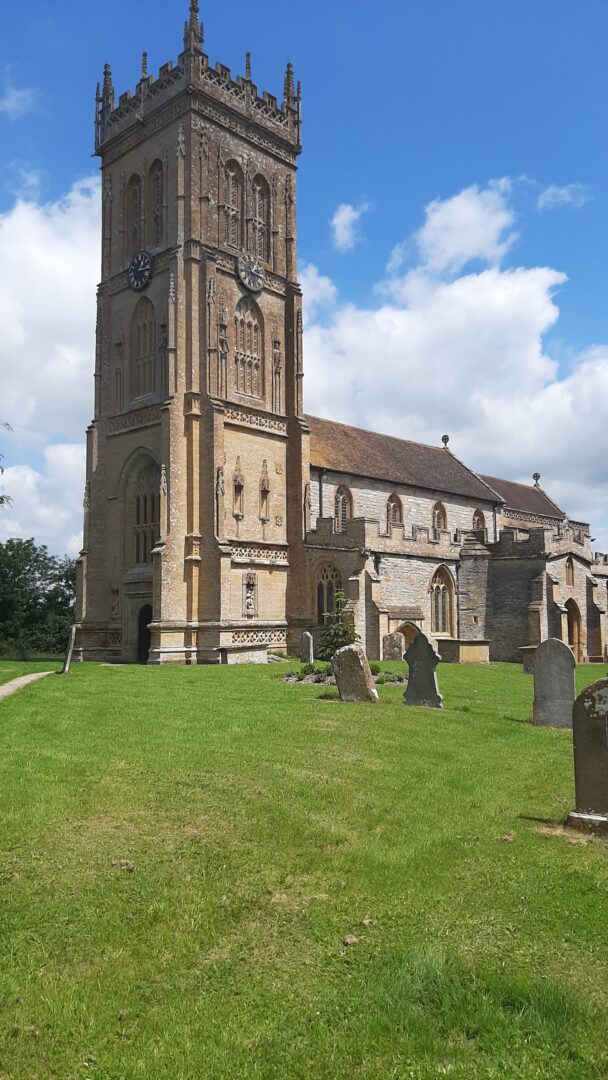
(422, 688)
(353, 677)
(307, 649)
(554, 691)
(590, 724)
(393, 646)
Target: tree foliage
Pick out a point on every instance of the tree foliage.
(37, 592)
(339, 629)
(5, 500)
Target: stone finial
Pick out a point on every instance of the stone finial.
(446, 441)
(289, 89)
(536, 479)
(144, 65)
(248, 66)
(107, 95)
(193, 29)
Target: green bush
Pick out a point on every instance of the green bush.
(339, 629)
(374, 667)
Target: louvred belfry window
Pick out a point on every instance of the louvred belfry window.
(233, 204)
(143, 350)
(134, 215)
(155, 205)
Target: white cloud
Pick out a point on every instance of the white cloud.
(345, 226)
(49, 265)
(319, 292)
(467, 356)
(16, 102)
(575, 195)
(475, 224)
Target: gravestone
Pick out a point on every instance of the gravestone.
(590, 736)
(527, 658)
(307, 649)
(554, 691)
(353, 677)
(393, 646)
(422, 688)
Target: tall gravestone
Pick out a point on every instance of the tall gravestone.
(393, 646)
(353, 676)
(422, 688)
(307, 649)
(590, 736)
(554, 689)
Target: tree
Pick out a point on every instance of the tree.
(339, 629)
(5, 500)
(37, 592)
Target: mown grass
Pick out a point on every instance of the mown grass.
(13, 669)
(254, 827)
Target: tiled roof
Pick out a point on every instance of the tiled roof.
(345, 449)
(525, 498)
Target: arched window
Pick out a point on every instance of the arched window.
(260, 219)
(394, 512)
(328, 585)
(155, 204)
(442, 602)
(479, 521)
(249, 349)
(570, 573)
(147, 516)
(143, 358)
(133, 215)
(233, 204)
(439, 519)
(342, 508)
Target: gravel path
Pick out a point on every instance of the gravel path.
(17, 684)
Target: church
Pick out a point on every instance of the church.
(220, 520)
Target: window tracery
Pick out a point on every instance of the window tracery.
(147, 513)
(233, 204)
(479, 521)
(439, 519)
(249, 354)
(328, 585)
(342, 508)
(394, 512)
(155, 204)
(143, 350)
(133, 208)
(442, 602)
(260, 223)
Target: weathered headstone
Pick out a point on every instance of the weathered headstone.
(353, 676)
(554, 691)
(307, 649)
(590, 735)
(68, 652)
(422, 688)
(527, 657)
(393, 646)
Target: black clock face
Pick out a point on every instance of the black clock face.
(251, 272)
(140, 270)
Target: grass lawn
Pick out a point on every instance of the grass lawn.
(13, 669)
(183, 853)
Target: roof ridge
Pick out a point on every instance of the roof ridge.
(380, 434)
(476, 475)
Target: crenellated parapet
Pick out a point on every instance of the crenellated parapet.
(565, 539)
(194, 73)
(368, 534)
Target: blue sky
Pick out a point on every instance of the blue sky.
(406, 106)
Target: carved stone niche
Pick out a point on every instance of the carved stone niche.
(250, 595)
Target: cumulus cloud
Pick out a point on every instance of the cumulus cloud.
(475, 224)
(467, 354)
(16, 102)
(575, 195)
(319, 291)
(49, 256)
(345, 226)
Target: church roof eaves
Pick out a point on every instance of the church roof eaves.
(344, 449)
(526, 498)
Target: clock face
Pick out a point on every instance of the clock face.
(140, 270)
(251, 272)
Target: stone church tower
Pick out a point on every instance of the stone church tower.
(198, 433)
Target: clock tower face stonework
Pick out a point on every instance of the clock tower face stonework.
(193, 552)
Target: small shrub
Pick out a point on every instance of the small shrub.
(374, 667)
(339, 629)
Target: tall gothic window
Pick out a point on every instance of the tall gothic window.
(233, 204)
(394, 512)
(147, 514)
(249, 349)
(133, 215)
(479, 521)
(442, 602)
(570, 572)
(155, 204)
(342, 508)
(329, 583)
(143, 350)
(260, 220)
(439, 519)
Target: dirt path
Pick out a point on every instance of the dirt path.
(14, 685)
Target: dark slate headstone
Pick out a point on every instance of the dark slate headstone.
(422, 688)
(590, 735)
(393, 646)
(307, 649)
(353, 677)
(554, 690)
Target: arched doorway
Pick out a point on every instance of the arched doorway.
(574, 630)
(144, 637)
